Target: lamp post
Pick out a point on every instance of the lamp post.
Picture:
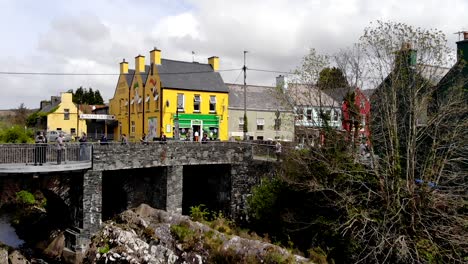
(176, 124)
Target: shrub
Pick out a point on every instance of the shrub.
(25, 198)
(199, 213)
(16, 134)
(104, 249)
(185, 234)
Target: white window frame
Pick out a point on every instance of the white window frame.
(260, 124)
(241, 123)
(181, 109)
(197, 101)
(213, 102)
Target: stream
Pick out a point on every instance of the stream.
(8, 235)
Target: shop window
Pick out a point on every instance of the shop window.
(66, 114)
(72, 131)
(260, 124)
(196, 103)
(213, 133)
(212, 104)
(180, 102)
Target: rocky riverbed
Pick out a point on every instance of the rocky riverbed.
(148, 235)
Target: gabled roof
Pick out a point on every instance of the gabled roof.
(52, 105)
(338, 94)
(144, 76)
(190, 76)
(263, 98)
(129, 77)
(310, 95)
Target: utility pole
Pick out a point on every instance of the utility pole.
(245, 98)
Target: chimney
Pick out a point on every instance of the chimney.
(44, 103)
(155, 56)
(282, 82)
(214, 62)
(406, 55)
(462, 47)
(123, 67)
(140, 63)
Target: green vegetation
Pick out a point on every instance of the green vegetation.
(25, 198)
(16, 134)
(104, 249)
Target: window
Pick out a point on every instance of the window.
(300, 113)
(133, 127)
(132, 106)
(147, 102)
(180, 102)
(196, 103)
(309, 114)
(155, 98)
(66, 114)
(241, 123)
(260, 123)
(72, 131)
(212, 104)
(336, 115)
(363, 121)
(140, 104)
(259, 137)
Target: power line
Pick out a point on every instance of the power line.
(101, 74)
(240, 72)
(273, 71)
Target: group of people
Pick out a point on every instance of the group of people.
(40, 153)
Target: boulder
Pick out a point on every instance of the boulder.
(16, 257)
(3, 255)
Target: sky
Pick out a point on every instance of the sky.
(93, 36)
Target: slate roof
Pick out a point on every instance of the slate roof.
(129, 76)
(190, 76)
(368, 93)
(258, 98)
(338, 94)
(55, 101)
(310, 95)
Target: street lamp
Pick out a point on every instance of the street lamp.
(176, 124)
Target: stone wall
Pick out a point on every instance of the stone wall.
(172, 153)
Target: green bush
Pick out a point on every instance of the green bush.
(16, 134)
(25, 198)
(104, 249)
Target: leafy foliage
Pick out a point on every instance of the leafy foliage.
(330, 78)
(25, 198)
(16, 134)
(87, 96)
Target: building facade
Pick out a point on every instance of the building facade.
(268, 117)
(63, 115)
(158, 98)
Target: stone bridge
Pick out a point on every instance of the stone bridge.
(114, 177)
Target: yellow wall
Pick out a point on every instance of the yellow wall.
(221, 108)
(157, 108)
(140, 117)
(56, 119)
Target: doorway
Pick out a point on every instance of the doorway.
(196, 128)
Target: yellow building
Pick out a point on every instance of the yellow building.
(62, 114)
(151, 98)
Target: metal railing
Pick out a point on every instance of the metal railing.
(37, 154)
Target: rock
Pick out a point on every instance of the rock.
(16, 257)
(55, 248)
(3, 256)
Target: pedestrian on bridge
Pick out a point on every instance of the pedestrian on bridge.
(60, 149)
(83, 153)
(40, 149)
(278, 150)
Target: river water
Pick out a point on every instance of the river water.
(8, 235)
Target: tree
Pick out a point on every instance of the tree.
(21, 115)
(408, 205)
(98, 98)
(330, 78)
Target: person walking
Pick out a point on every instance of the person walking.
(278, 150)
(196, 135)
(60, 148)
(189, 135)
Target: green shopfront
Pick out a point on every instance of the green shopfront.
(189, 123)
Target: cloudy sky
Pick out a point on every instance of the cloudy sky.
(93, 36)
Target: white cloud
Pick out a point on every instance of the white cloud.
(94, 36)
